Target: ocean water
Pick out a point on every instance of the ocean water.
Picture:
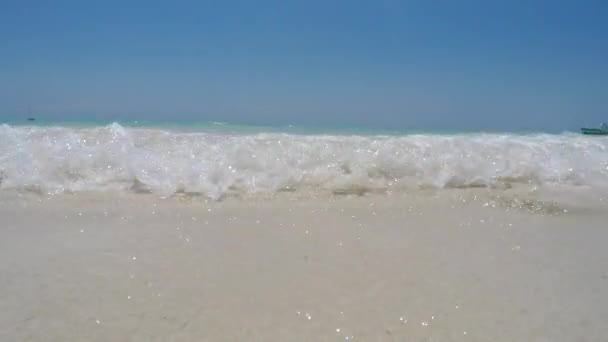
(217, 159)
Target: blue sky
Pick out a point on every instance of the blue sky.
(387, 64)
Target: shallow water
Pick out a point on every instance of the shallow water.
(218, 164)
(121, 233)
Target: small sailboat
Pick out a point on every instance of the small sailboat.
(603, 130)
(29, 114)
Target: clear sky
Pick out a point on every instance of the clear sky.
(387, 64)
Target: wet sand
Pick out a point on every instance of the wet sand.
(447, 266)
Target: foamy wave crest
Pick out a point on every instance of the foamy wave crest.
(59, 159)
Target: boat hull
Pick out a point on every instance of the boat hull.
(594, 131)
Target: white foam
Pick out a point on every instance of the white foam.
(58, 159)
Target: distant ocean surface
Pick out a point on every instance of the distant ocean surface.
(219, 159)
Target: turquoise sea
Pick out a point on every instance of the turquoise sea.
(216, 159)
(238, 128)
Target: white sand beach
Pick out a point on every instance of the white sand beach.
(450, 265)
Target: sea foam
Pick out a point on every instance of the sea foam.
(116, 158)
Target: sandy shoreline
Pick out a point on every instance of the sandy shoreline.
(456, 267)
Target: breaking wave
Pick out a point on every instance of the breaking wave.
(67, 159)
